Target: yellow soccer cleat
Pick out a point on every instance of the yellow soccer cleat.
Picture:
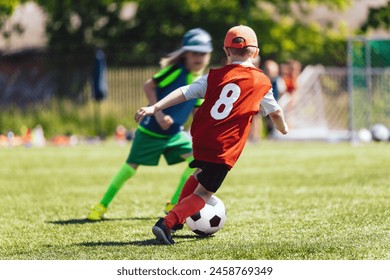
(97, 212)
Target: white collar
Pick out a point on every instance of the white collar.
(246, 63)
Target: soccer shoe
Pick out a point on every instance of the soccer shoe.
(176, 228)
(168, 207)
(162, 232)
(97, 212)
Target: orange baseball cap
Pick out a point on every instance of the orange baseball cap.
(234, 36)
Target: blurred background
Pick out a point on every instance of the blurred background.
(75, 69)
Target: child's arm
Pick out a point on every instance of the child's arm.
(150, 91)
(165, 121)
(277, 118)
(175, 97)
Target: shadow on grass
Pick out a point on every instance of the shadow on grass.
(86, 221)
(148, 242)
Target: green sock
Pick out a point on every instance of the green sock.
(124, 173)
(187, 172)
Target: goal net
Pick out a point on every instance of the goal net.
(333, 104)
(368, 83)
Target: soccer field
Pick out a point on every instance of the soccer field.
(284, 200)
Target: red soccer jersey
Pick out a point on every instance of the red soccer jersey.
(221, 125)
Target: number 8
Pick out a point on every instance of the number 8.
(225, 100)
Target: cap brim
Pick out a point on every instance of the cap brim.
(176, 53)
(201, 49)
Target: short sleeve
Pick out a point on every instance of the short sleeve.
(269, 104)
(196, 90)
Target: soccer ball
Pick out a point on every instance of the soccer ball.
(209, 219)
(365, 135)
(380, 132)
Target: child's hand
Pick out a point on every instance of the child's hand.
(165, 121)
(143, 112)
(284, 130)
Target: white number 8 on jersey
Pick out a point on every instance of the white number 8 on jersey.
(225, 100)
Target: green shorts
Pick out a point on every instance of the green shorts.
(147, 150)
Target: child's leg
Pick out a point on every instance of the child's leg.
(189, 187)
(97, 211)
(177, 149)
(210, 175)
(183, 179)
(185, 208)
(117, 182)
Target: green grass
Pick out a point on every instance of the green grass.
(284, 200)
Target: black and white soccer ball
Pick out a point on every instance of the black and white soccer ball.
(209, 219)
(380, 132)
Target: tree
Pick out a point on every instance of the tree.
(378, 18)
(80, 25)
(159, 25)
(280, 25)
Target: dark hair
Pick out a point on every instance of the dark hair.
(243, 52)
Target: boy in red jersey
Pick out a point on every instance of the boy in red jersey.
(220, 127)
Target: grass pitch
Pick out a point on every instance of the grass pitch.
(284, 200)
